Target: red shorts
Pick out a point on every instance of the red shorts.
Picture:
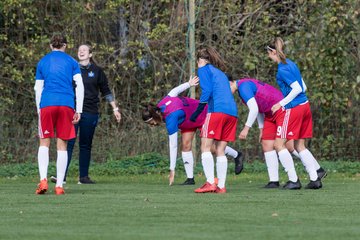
(219, 126)
(57, 118)
(189, 130)
(272, 125)
(297, 123)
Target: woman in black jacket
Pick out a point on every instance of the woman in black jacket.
(95, 82)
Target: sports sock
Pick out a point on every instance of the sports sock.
(272, 163)
(61, 164)
(208, 166)
(43, 161)
(231, 152)
(307, 160)
(316, 164)
(288, 163)
(221, 170)
(295, 153)
(188, 160)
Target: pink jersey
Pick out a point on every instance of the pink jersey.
(188, 105)
(266, 95)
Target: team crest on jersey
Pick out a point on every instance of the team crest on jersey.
(91, 74)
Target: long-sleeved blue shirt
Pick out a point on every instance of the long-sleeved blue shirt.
(286, 75)
(215, 91)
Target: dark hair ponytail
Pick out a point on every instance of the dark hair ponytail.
(212, 56)
(151, 112)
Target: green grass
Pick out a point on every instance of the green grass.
(145, 207)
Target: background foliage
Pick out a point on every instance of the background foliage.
(142, 46)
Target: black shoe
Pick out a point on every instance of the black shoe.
(272, 185)
(189, 181)
(85, 180)
(239, 163)
(54, 179)
(314, 184)
(321, 173)
(292, 185)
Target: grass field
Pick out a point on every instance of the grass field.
(145, 207)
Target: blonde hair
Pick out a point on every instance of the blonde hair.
(279, 45)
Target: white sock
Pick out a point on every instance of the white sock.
(231, 152)
(188, 160)
(43, 161)
(221, 170)
(272, 163)
(316, 164)
(61, 163)
(295, 153)
(307, 160)
(208, 166)
(288, 163)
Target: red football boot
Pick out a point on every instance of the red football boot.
(42, 187)
(207, 187)
(220, 190)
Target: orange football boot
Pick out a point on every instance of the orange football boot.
(220, 190)
(207, 187)
(59, 191)
(42, 187)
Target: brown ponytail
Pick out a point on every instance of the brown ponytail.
(279, 45)
(151, 112)
(212, 56)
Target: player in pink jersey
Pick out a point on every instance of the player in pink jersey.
(260, 97)
(175, 111)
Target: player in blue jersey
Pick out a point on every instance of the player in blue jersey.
(220, 123)
(176, 111)
(55, 105)
(297, 122)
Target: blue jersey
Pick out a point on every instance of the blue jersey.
(286, 75)
(215, 91)
(173, 120)
(247, 90)
(57, 70)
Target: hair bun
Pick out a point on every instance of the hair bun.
(58, 40)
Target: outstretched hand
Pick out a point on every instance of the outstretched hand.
(117, 115)
(193, 81)
(171, 177)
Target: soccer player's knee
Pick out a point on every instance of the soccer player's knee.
(279, 146)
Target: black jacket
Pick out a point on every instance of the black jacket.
(95, 82)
